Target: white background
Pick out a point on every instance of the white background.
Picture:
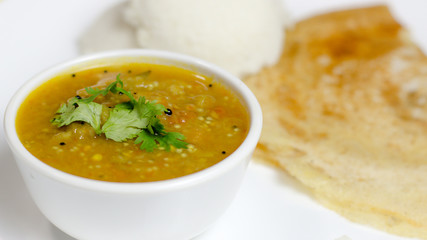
(35, 35)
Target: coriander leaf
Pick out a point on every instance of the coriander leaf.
(171, 138)
(155, 127)
(127, 93)
(124, 105)
(110, 88)
(96, 92)
(147, 140)
(77, 110)
(149, 110)
(123, 123)
(150, 141)
(135, 118)
(128, 119)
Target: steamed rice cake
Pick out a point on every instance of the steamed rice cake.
(345, 113)
(241, 36)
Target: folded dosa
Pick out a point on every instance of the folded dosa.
(345, 113)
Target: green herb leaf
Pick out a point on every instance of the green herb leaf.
(123, 123)
(147, 140)
(151, 141)
(128, 119)
(135, 118)
(172, 139)
(113, 88)
(149, 110)
(154, 135)
(77, 110)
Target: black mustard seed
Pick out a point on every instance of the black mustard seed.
(168, 111)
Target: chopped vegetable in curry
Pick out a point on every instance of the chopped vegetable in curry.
(132, 123)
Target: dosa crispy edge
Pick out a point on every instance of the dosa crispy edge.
(345, 113)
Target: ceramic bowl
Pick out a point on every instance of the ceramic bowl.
(179, 208)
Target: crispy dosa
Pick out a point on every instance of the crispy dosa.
(345, 113)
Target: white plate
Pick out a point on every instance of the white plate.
(270, 205)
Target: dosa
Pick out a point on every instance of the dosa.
(345, 113)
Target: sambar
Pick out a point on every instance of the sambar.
(212, 119)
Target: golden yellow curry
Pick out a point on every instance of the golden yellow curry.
(210, 117)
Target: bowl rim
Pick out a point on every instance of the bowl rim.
(242, 152)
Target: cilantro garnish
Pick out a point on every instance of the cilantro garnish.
(127, 120)
(78, 110)
(156, 134)
(110, 88)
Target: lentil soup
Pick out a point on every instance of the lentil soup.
(212, 119)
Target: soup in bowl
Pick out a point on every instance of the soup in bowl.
(133, 144)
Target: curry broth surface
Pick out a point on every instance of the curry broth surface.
(211, 118)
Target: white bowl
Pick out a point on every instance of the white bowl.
(179, 208)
